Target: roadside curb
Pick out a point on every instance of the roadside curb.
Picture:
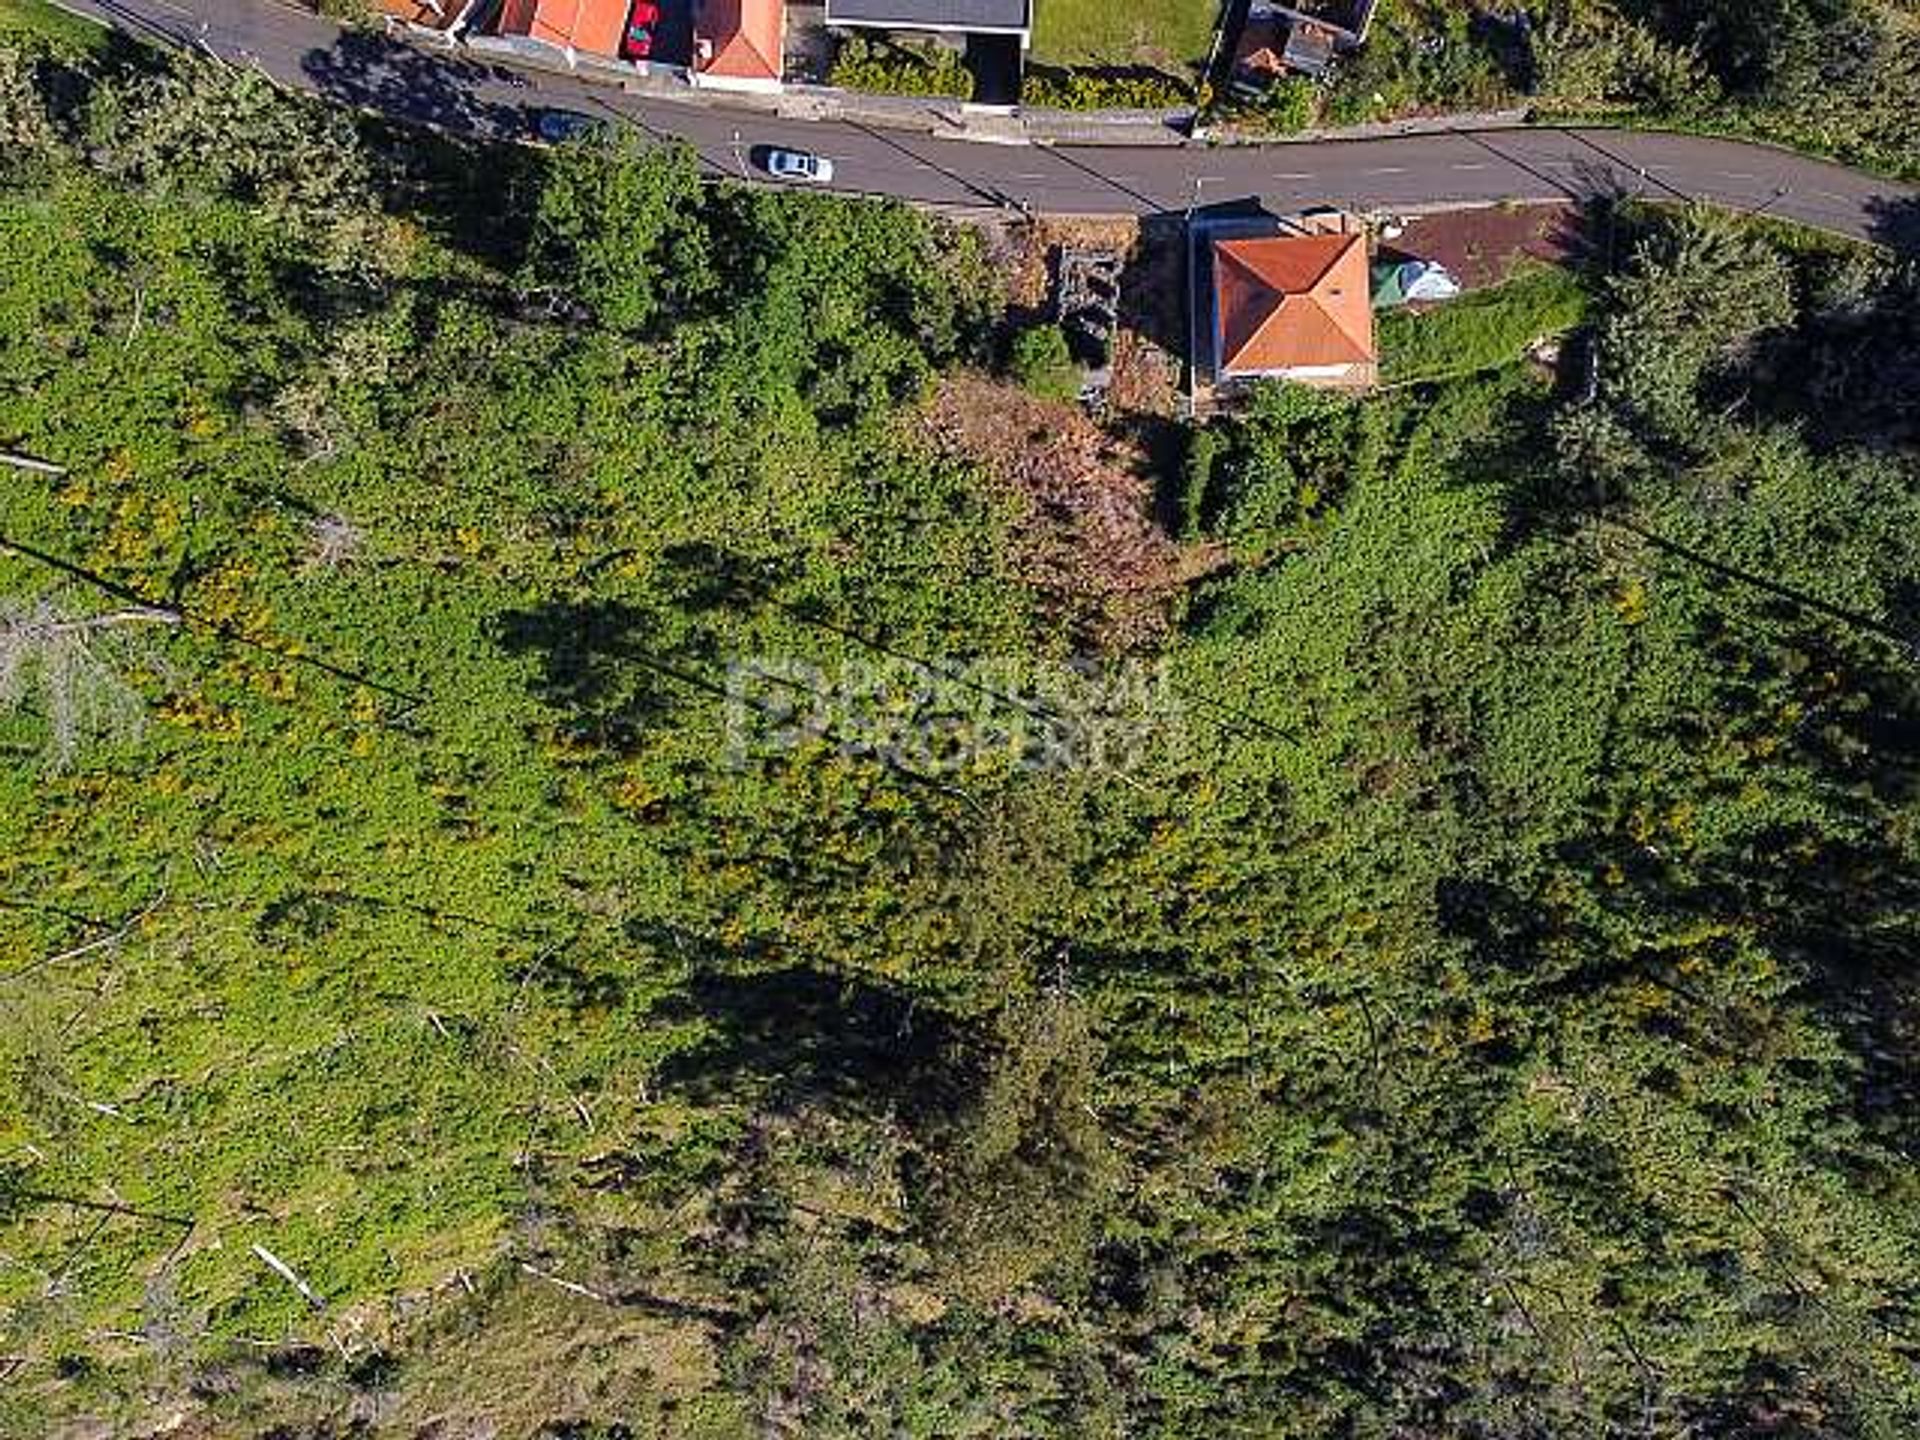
(1516, 119)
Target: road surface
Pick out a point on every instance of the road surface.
(1408, 172)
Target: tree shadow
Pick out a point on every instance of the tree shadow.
(435, 130)
(1164, 444)
(1845, 377)
(1153, 283)
(614, 670)
(475, 197)
(799, 1035)
(309, 915)
(1509, 40)
(1895, 223)
(368, 70)
(704, 579)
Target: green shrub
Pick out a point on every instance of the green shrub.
(1291, 104)
(1480, 331)
(1606, 60)
(1204, 447)
(881, 67)
(1042, 363)
(1104, 90)
(1417, 59)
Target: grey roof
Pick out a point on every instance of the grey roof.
(938, 14)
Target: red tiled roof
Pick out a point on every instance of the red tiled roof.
(1291, 303)
(594, 26)
(747, 37)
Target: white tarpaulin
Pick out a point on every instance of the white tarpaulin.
(1425, 280)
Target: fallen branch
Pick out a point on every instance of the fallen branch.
(569, 1286)
(139, 307)
(285, 1271)
(139, 615)
(27, 462)
(99, 942)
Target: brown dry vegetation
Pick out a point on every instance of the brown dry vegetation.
(1023, 253)
(1088, 539)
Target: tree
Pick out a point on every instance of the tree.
(26, 128)
(1599, 57)
(1027, 1176)
(75, 665)
(1693, 300)
(618, 228)
(1204, 448)
(230, 132)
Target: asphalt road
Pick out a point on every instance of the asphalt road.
(1405, 172)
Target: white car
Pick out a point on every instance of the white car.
(807, 168)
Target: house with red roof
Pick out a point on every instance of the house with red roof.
(739, 44)
(725, 44)
(1293, 307)
(574, 27)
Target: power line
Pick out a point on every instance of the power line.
(220, 629)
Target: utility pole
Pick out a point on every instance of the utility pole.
(1194, 203)
(1193, 318)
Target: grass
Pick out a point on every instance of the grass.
(1480, 331)
(1172, 35)
(64, 32)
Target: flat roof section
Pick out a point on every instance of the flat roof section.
(958, 15)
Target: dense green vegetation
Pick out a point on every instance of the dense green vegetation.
(1840, 77)
(1136, 88)
(1470, 995)
(1041, 359)
(1482, 330)
(897, 66)
(35, 22)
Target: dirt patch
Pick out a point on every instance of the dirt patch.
(1088, 539)
(1485, 246)
(1024, 253)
